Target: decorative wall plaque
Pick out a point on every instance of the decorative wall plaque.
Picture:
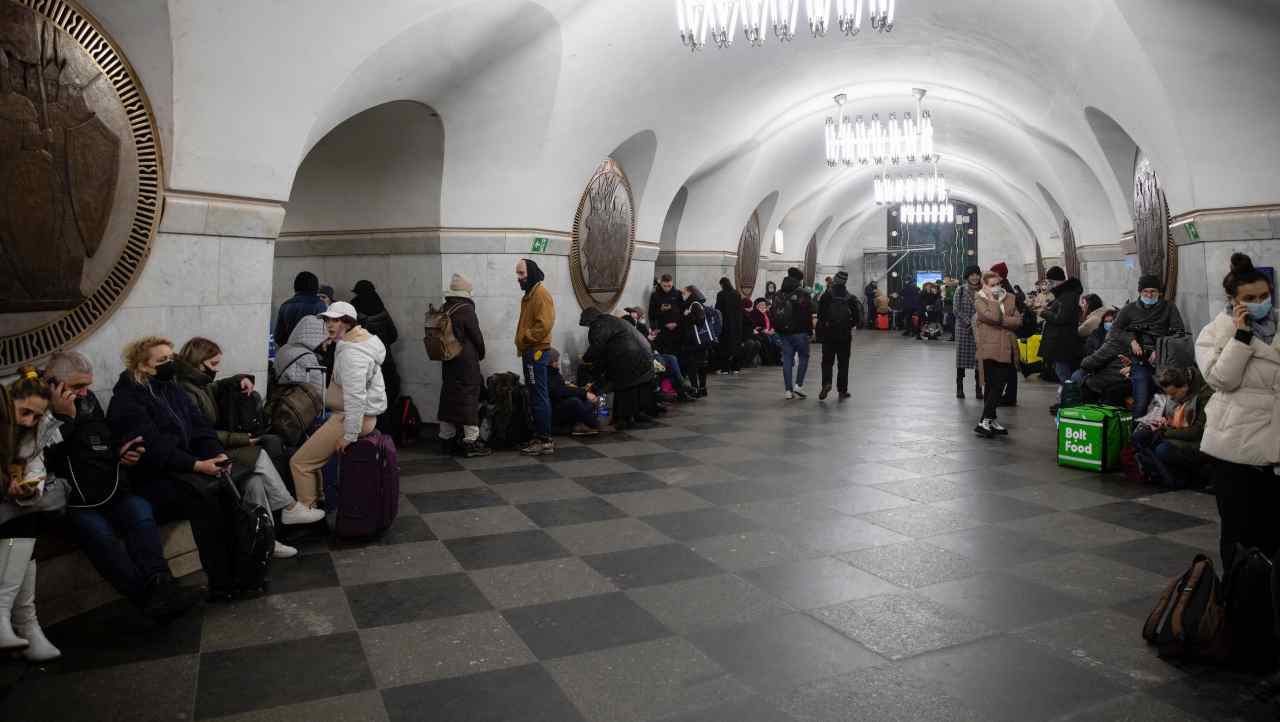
(1157, 252)
(811, 261)
(1070, 255)
(954, 245)
(748, 254)
(1040, 270)
(604, 238)
(80, 177)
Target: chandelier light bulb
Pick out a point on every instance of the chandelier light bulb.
(724, 21)
(849, 16)
(785, 14)
(819, 12)
(755, 21)
(691, 18)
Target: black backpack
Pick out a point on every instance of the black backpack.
(405, 423)
(254, 537)
(839, 315)
(511, 423)
(784, 311)
(240, 413)
(858, 311)
(1250, 612)
(89, 458)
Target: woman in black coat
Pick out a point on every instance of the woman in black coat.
(377, 320)
(618, 355)
(729, 304)
(1062, 345)
(461, 379)
(696, 352)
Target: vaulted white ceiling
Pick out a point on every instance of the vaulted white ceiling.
(1036, 103)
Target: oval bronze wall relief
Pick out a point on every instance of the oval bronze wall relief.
(748, 254)
(1157, 251)
(811, 261)
(80, 177)
(604, 238)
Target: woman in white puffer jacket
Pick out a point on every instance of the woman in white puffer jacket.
(1239, 357)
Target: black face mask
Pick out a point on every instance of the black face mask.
(211, 373)
(166, 371)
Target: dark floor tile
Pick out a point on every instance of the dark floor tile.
(752, 709)
(744, 492)
(572, 453)
(616, 437)
(1118, 488)
(117, 634)
(436, 465)
(307, 571)
(270, 675)
(1217, 695)
(563, 512)
(620, 483)
(524, 693)
(874, 694)
(513, 474)
(651, 565)
(585, 624)
(768, 468)
(496, 550)
(994, 507)
(409, 600)
(404, 530)
(1009, 680)
(1141, 517)
(455, 500)
(898, 626)
(1004, 602)
(653, 462)
(988, 480)
(776, 654)
(813, 583)
(699, 524)
(692, 441)
(997, 548)
(1153, 554)
(167, 685)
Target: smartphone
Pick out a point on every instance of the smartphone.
(222, 464)
(52, 380)
(30, 483)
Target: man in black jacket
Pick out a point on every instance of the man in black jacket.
(1062, 344)
(620, 356)
(1142, 324)
(666, 316)
(836, 319)
(729, 304)
(116, 529)
(792, 314)
(305, 302)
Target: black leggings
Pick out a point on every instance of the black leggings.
(1247, 500)
(999, 375)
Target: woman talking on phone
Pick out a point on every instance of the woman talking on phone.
(1239, 357)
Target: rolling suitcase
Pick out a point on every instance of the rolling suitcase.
(369, 481)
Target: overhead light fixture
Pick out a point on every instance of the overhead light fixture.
(878, 143)
(894, 189)
(718, 18)
(926, 213)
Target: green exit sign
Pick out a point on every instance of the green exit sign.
(539, 244)
(1192, 232)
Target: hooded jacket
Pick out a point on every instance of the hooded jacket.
(1244, 414)
(1149, 323)
(294, 310)
(994, 324)
(537, 313)
(296, 362)
(802, 319)
(838, 293)
(1062, 340)
(174, 432)
(909, 298)
(616, 350)
(729, 304)
(666, 307)
(205, 392)
(357, 370)
(1089, 324)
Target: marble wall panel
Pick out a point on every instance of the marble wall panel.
(244, 271)
(178, 273)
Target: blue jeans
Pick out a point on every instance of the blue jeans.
(793, 345)
(535, 377)
(1156, 455)
(1064, 370)
(121, 541)
(1142, 377)
(673, 367)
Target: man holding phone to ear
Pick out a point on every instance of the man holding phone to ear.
(116, 529)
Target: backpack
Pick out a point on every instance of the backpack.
(1250, 611)
(439, 340)
(292, 409)
(839, 315)
(708, 332)
(511, 423)
(1188, 620)
(784, 311)
(89, 458)
(1176, 351)
(859, 312)
(254, 539)
(240, 413)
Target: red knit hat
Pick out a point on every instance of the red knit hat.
(1001, 268)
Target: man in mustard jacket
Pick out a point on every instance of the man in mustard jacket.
(533, 338)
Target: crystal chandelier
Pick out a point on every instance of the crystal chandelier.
(718, 18)
(892, 190)
(926, 213)
(879, 143)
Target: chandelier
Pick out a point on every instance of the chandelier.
(878, 143)
(926, 213)
(892, 190)
(718, 18)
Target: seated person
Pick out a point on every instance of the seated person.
(670, 363)
(1104, 372)
(1167, 439)
(296, 362)
(181, 459)
(619, 357)
(763, 331)
(116, 529)
(570, 405)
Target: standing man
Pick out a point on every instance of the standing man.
(835, 328)
(792, 313)
(666, 316)
(305, 302)
(533, 338)
(1062, 344)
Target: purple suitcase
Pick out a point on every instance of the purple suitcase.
(369, 493)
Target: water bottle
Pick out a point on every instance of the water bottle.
(271, 346)
(602, 409)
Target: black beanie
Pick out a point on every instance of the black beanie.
(1056, 274)
(971, 270)
(795, 273)
(306, 282)
(1150, 281)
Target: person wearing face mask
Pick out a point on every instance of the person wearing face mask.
(1145, 322)
(966, 345)
(182, 459)
(1239, 356)
(995, 320)
(1062, 344)
(1167, 439)
(533, 338)
(198, 364)
(1103, 374)
(357, 395)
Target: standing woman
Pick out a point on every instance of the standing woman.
(729, 304)
(461, 379)
(997, 347)
(1239, 357)
(966, 346)
(696, 352)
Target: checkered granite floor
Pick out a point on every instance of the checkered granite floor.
(748, 559)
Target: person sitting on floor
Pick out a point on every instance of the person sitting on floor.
(570, 405)
(1167, 439)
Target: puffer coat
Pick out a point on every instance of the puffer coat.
(993, 328)
(616, 350)
(1062, 340)
(460, 377)
(1243, 425)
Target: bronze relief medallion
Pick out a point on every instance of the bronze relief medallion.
(811, 260)
(748, 254)
(80, 177)
(1157, 251)
(604, 238)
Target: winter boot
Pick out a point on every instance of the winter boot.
(25, 623)
(15, 555)
(959, 383)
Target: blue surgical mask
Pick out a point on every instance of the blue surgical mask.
(1107, 326)
(1148, 301)
(1260, 310)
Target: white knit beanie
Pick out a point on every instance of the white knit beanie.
(459, 286)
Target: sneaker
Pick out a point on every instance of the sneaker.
(284, 551)
(984, 429)
(722, 373)
(735, 373)
(583, 430)
(474, 449)
(533, 448)
(799, 391)
(548, 448)
(845, 395)
(300, 514)
(822, 395)
(789, 396)
(996, 427)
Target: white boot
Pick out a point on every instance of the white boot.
(15, 554)
(24, 621)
